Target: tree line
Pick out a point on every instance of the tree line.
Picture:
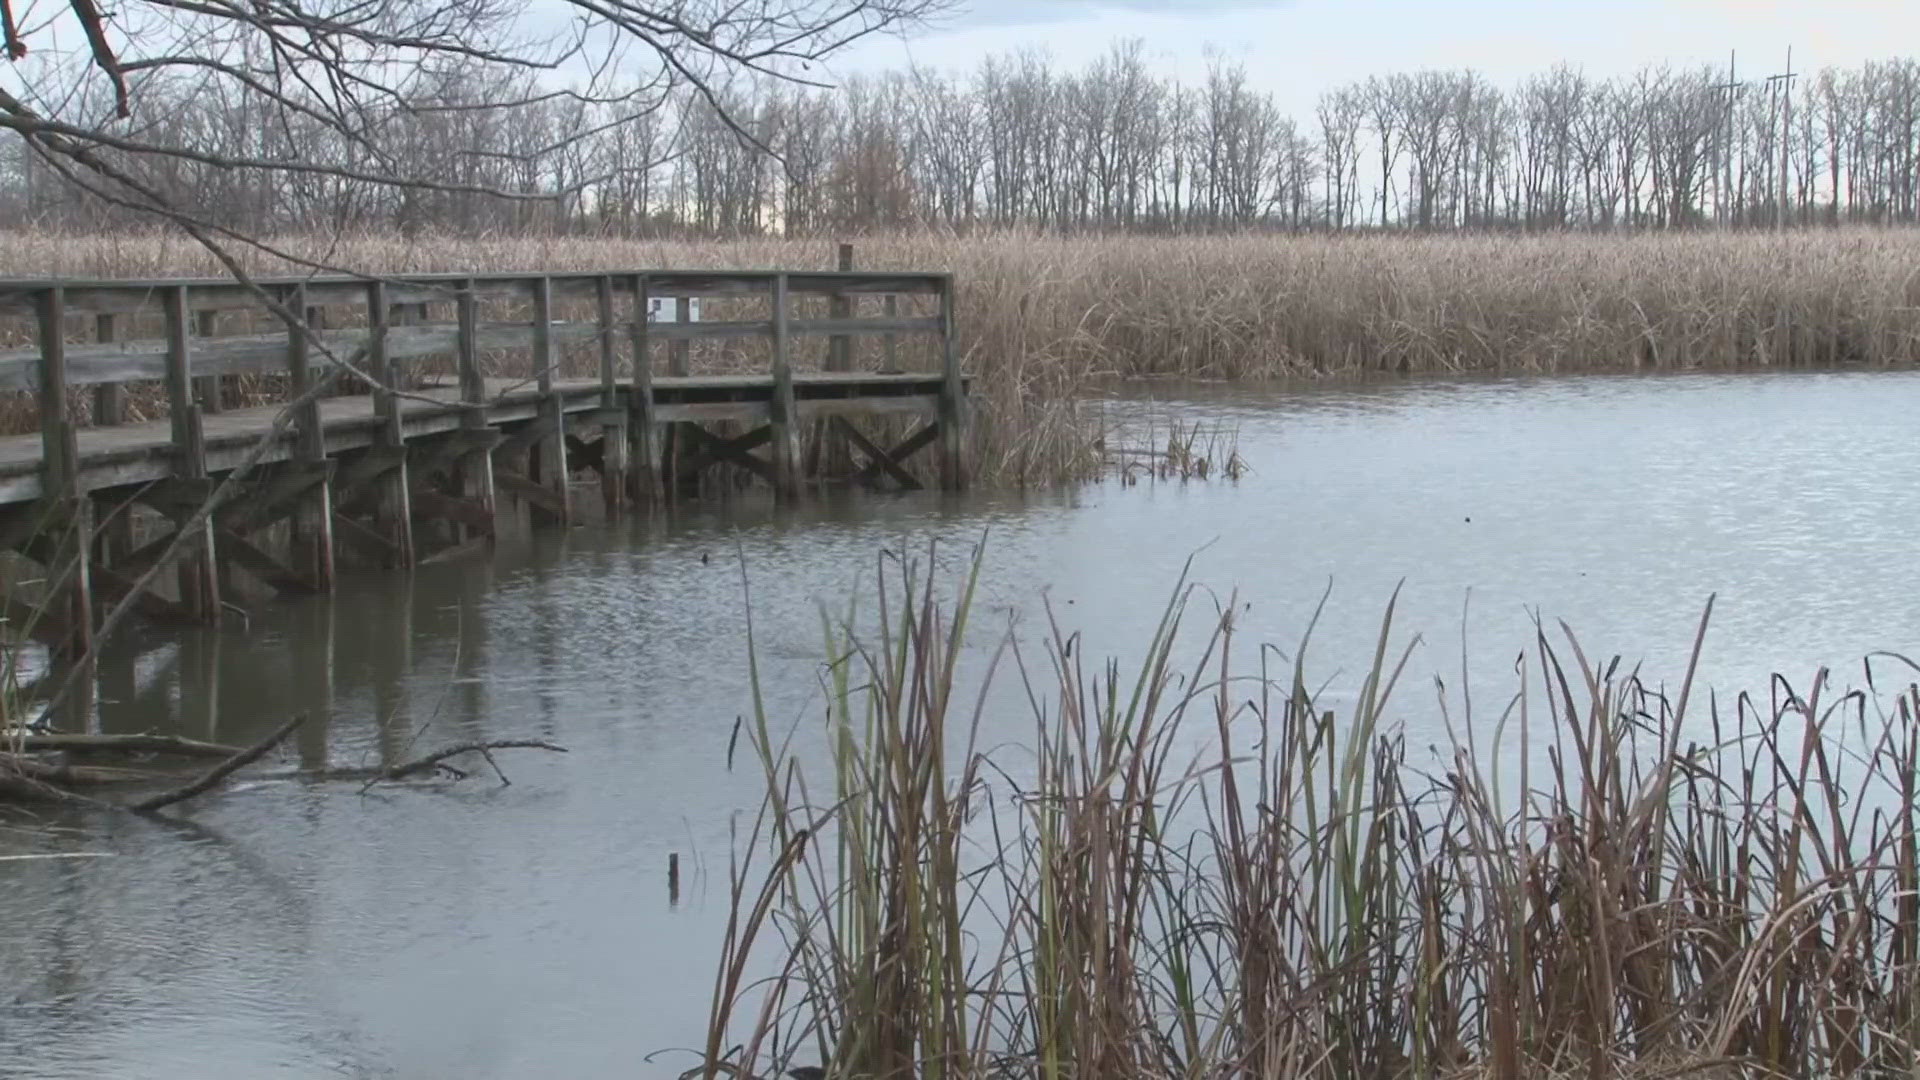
(1018, 142)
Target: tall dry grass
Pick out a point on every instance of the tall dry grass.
(1045, 320)
(1195, 868)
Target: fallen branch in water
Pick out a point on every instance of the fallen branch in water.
(433, 760)
(132, 744)
(24, 789)
(219, 772)
(437, 761)
(24, 778)
(47, 772)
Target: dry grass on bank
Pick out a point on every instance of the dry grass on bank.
(1045, 319)
(1194, 868)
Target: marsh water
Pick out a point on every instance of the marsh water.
(475, 929)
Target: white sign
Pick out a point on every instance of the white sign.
(666, 309)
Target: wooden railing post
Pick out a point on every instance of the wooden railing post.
(393, 513)
(829, 455)
(475, 468)
(69, 594)
(953, 398)
(110, 410)
(110, 398)
(310, 539)
(890, 343)
(840, 346)
(613, 419)
(554, 470)
(782, 412)
(680, 364)
(206, 324)
(198, 573)
(643, 431)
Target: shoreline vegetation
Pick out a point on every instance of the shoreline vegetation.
(1049, 323)
(1198, 870)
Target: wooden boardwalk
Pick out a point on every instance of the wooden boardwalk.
(362, 456)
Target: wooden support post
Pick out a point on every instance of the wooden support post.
(840, 346)
(69, 598)
(953, 398)
(197, 573)
(109, 399)
(613, 430)
(393, 513)
(830, 455)
(890, 343)
(554, 470)
(310, 541)
(206, 324)
(643, 432)
(783, 414)
(681, 363)
(313, 679)
(110, 410)
(474, 471)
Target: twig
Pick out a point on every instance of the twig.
(221, 771)
(422, 764)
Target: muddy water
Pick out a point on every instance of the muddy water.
(289, 928)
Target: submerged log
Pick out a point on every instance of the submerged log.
(436, 759)
(219, 772)
(48, 772)
(32, 779)
(131, 744)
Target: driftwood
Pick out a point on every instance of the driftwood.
(30, 779)
(48, 772)
(436, 759)
(131, 744)
(219, 772)
(16, 788)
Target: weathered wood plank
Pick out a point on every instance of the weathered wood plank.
(714, 449)
(554, 471)
(272, 573)
(467, 513)
(816, 283)
(757, 412)
(197, 571)
(682, 330)
(953, 399)
(875, 455)
(145, 359)
(907, 447)
(393, 510)
(781, 412)
(643, 430)
(611, 461)
(537, 495)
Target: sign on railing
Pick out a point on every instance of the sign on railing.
(662, 309)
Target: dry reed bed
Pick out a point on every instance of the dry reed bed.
(1044, 320)
(1193, 869)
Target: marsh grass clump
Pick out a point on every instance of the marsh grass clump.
(1195, 868)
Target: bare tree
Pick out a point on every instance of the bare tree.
(320, 95)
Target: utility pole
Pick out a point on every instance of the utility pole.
(1785, 86)
(1723, 206)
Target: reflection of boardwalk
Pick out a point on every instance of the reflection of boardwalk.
(367, 458)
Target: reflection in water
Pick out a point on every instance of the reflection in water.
(290, 928)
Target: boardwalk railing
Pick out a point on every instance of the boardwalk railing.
(377, 411)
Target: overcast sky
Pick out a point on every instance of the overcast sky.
(1297, 48)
